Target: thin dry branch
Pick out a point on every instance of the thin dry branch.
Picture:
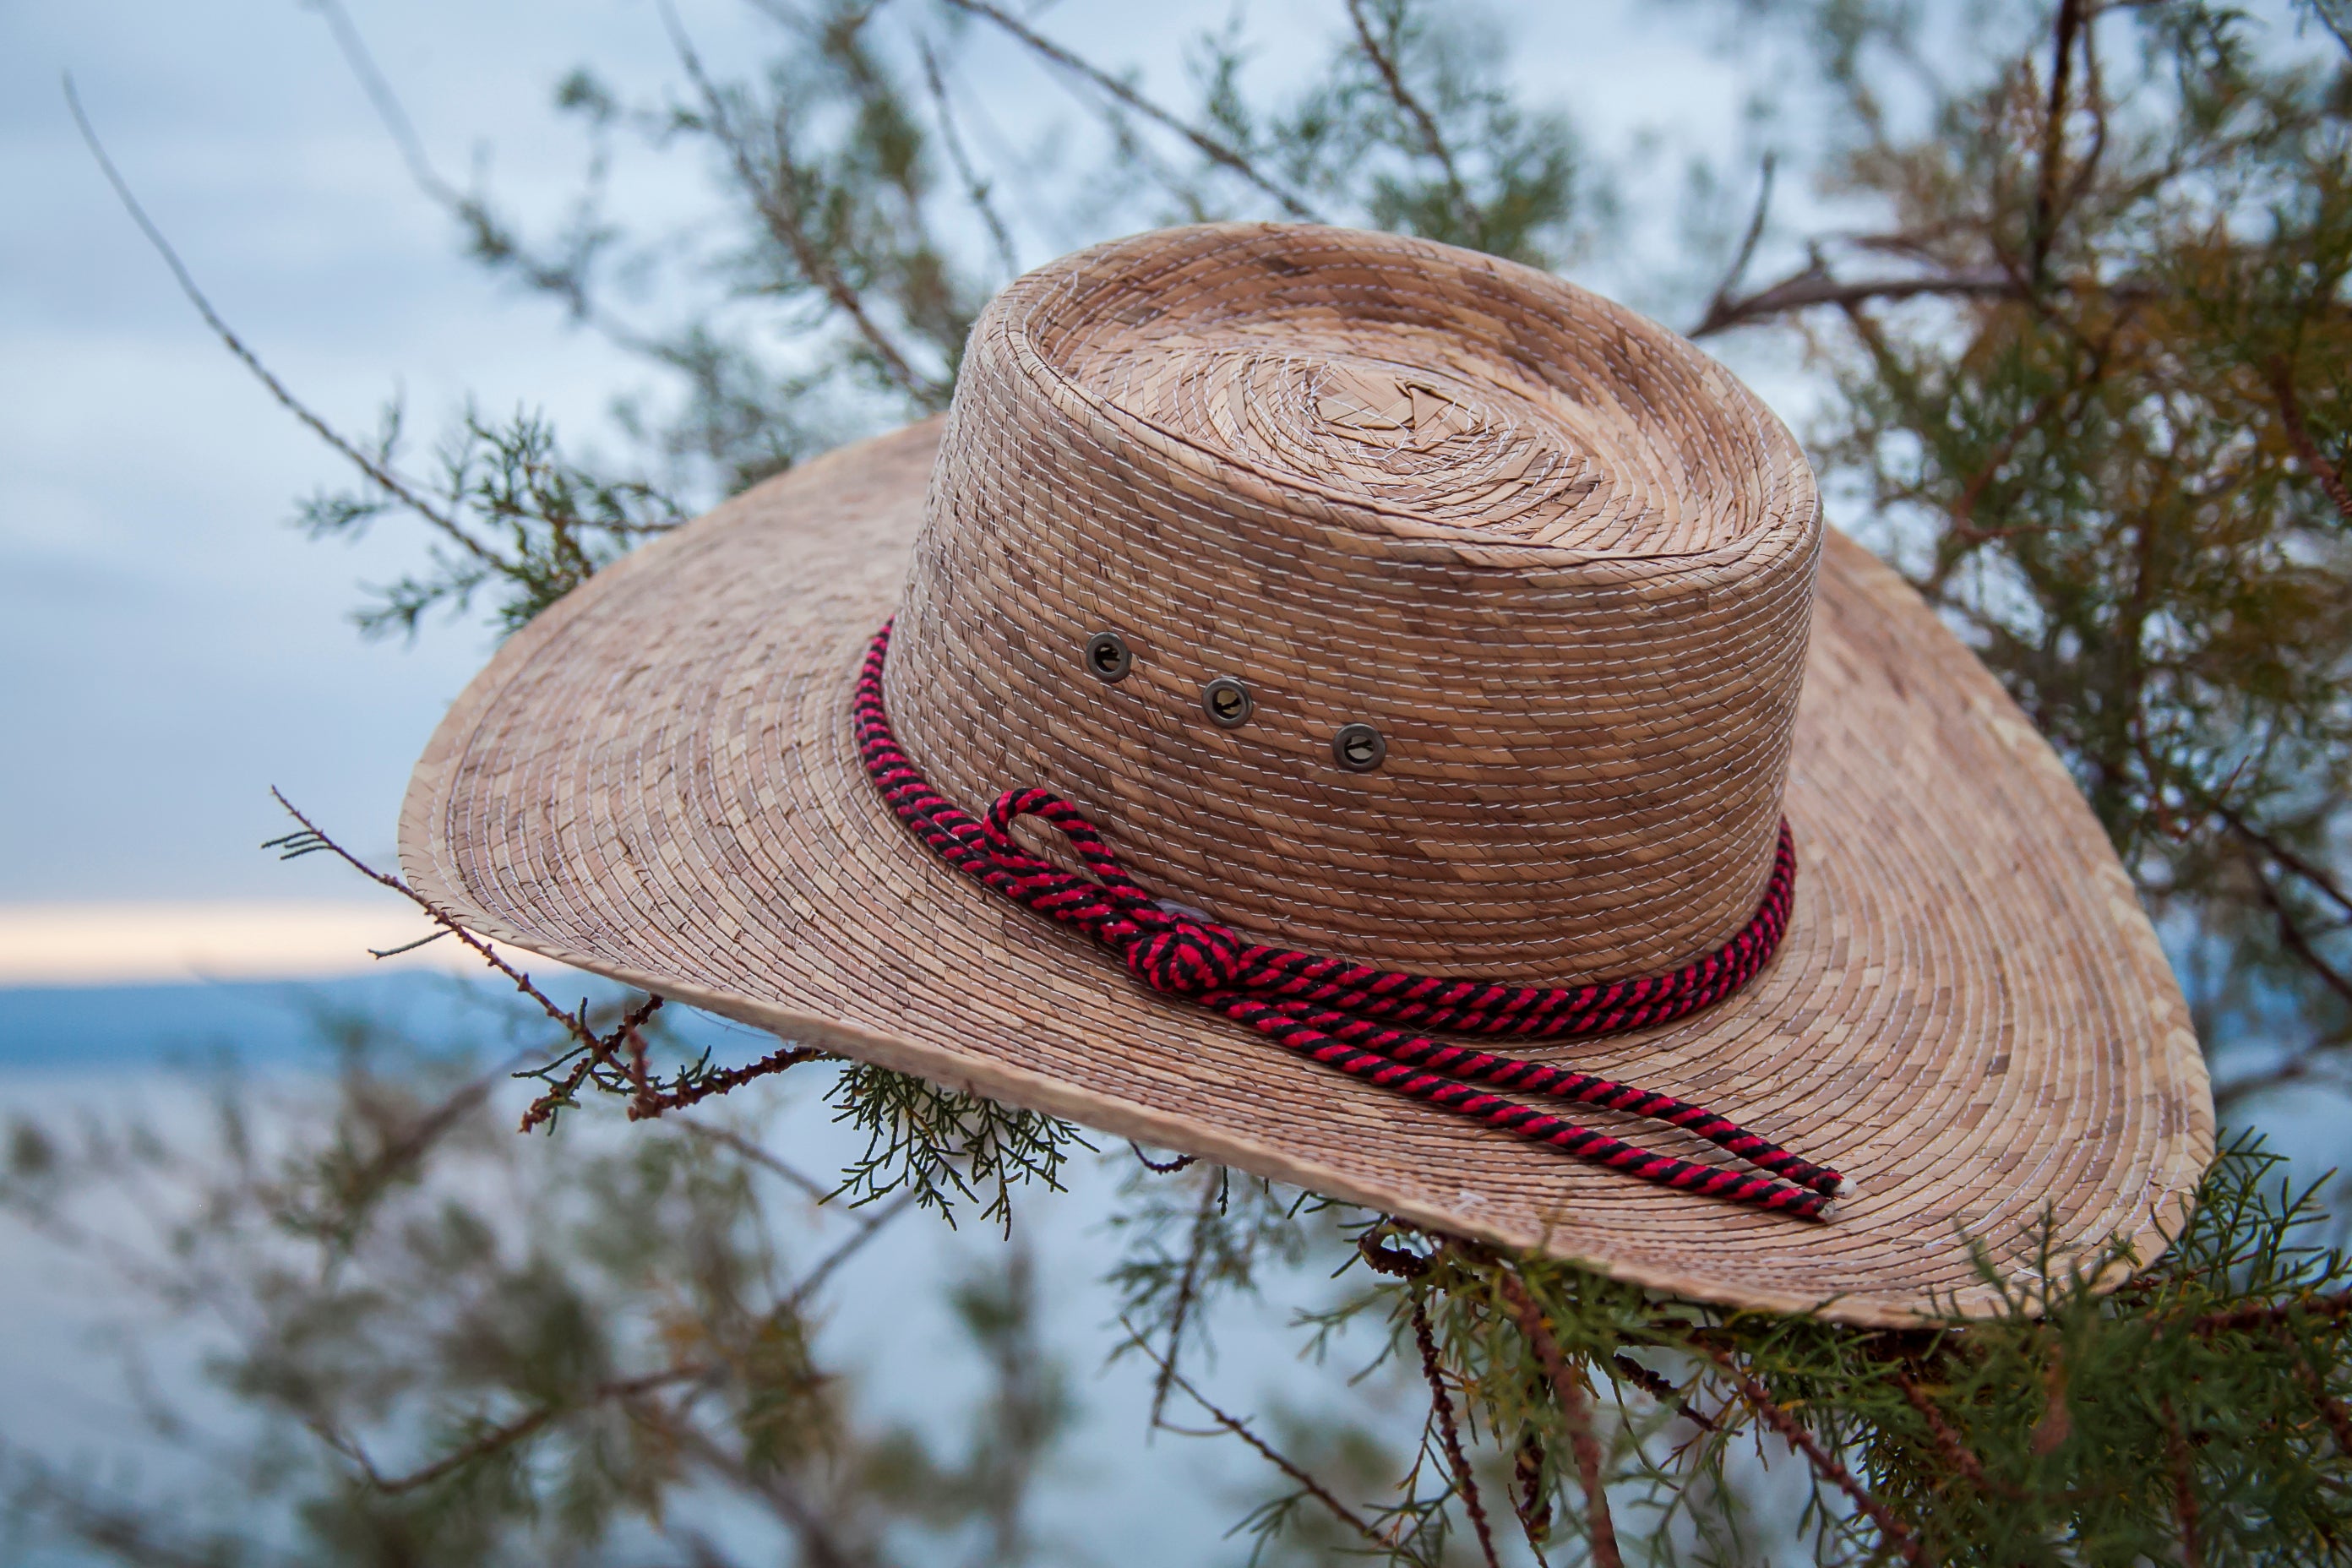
(975, 189)
(1273, 1456)
(784, 223)
(1814, 288)
(1720, 301)
(1792, 1432)
(2292, 934)
(2287, 857)
(376, 472)
(1208, 146)
(508, 1434)
(1440, 1405)
(2067, 24)
(1432, 140)
(1576, 1408)
(1188, 1287)
(2290, 408)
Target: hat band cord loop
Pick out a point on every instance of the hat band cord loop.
(1341, 1014)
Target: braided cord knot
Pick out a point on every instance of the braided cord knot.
(1359, 1019)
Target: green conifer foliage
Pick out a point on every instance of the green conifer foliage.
(2086, 363)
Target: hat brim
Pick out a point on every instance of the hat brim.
(1970, 1016)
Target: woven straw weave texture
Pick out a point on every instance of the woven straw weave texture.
(1970, 1016)
(1559, 559)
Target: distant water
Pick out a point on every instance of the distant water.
(293, 1024)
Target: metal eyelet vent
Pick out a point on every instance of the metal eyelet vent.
(1358, 748)
(1108, 659)
(1228, 702)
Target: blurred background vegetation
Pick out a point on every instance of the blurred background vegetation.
(2055, 292)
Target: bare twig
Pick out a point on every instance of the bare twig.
(2298, 943)
(1164, 1167)
(508, 1434)
(1812, 288)
(1576, 1408)
(1720, 301)
(2287, 857)
(1209, 147)
(1442, 1405)
(311, 839)
(2268, 1313)
(757, 1155)
(1239, 1428)
(2067, 24)
(376, 472)
(656, 1103)
(386, 103)
(1791, 1431)
(2331, 480)
(780, 211)
(1187, 1288)
(868, 1226)
(1432, 139)
(975, 189)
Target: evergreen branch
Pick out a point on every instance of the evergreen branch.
(1576, 1410)
(1432, 139)
(1792, 1432)
(785, 224)
(378, 474)
(1440, 1407)
(1208, 146)
(1948, 1442)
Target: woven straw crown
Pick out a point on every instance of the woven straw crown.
(1553, 555)
(1571, 574)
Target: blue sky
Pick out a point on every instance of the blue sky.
(171, 646)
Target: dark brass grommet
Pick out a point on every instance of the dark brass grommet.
(1108, 658)
(1228, 702)
(1358, 748)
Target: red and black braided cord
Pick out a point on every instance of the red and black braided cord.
(1361, 1020)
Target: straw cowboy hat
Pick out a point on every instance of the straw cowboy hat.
(1381, 718)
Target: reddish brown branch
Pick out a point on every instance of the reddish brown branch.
(2271, 1313)
(2290, 407)
(2068, 24)
(723, 1081)
(1948, 1442)
(2184, 1488)
(782, 218)
(1576, 1408)
(1792, 1432)
(1442, 1405)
